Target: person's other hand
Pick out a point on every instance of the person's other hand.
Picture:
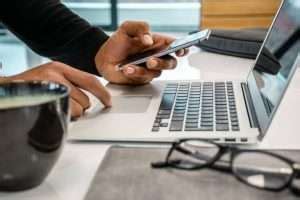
(130, 39)
(74, 79)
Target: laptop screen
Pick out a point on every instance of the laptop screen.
(276, 62)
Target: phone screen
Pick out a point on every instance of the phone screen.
(178, 44)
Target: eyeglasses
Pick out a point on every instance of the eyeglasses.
(256, 168)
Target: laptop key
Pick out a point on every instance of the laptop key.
(182, 95)
(224, 117)
(191, 125)
(157, 120)
(192, 113)
(235, 128)
(193, 106)
(179, 111)
(180, 105)
(199, 129)
(162, 112)
(206, 116)
(233, 116)
(222, 122)
(155, 129)
(177, 119)
(176, 125)
(163, 124)
(207, 124)
(207, 112)
(210, 108)
(206, 119)
(221, 114)
(179, 108)
(234, 123)
(181, 98)
(170, 92)
(194, 103)
(191, 121)
(167, 101)
(221, 111)
(178, 114)
(207, 104)
(222, 127)
(234, 119)
(156, 125)
(192, 117)
(163, 116)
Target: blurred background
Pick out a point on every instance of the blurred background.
(176, 17)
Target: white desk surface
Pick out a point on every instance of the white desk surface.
(72, 175)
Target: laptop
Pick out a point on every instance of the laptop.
(223, 111)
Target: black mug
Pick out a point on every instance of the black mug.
(34, 119)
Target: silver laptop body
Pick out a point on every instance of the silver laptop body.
(224, 111)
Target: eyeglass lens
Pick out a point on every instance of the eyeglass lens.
(200, 153)
(262, 170)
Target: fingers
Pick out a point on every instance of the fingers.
(182, 52)
(166, 62)
(163, 41)
(76, 108)
(89, 83)
(140, 75)
(138, 29)
(77, 95)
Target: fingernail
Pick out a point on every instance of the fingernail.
(181, 52)
(153, 63)
(148, 39)
(130, 70)
(109, 103)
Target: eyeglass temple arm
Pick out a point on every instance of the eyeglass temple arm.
(224, 166)
(159, 164)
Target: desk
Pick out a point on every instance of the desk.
(70, 178)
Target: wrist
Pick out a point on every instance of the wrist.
(98, 56)
(100, 60)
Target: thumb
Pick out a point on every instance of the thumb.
(138, 29)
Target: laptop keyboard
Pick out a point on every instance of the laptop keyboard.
(197, 106)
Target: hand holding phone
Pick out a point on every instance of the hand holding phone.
(177, 45)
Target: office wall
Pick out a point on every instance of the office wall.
(236, 14)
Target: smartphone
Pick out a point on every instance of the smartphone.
(181, 43)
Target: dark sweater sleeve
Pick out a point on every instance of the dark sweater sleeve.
(52, 30)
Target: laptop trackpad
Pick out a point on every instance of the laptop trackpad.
(129, 104)
(121, 104)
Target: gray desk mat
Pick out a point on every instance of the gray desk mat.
(125, 174)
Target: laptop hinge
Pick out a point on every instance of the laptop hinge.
(250, 107)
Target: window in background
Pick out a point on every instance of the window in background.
(98, 12)
(162, 15)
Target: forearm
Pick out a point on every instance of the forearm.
(53, 31)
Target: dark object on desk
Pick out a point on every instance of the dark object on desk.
(33, 125)
(243, 43)
(125, 173)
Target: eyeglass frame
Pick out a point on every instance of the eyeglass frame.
(234, 151)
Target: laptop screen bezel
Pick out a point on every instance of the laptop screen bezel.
(263, 118)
